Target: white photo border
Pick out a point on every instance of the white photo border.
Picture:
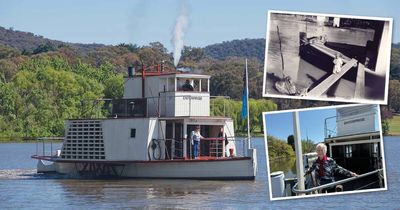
(365, 101)
(264, 114)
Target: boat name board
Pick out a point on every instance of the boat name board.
(353, 121)
(199, 98)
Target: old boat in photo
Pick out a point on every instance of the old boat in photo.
(148, 134)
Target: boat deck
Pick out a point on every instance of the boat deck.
(199, 159)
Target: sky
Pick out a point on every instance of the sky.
(280, 124)
(312, 123)
(145, 21)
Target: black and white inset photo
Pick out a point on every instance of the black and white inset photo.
(327, 57)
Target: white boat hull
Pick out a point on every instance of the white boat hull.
(224, 168)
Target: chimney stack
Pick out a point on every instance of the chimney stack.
(131, 71)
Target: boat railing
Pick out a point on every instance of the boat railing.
(310, 190)
(46, 142)
(331, 123)
(184, 105)
(216, 147)
(188, 105)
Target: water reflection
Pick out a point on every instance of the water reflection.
(287, 165)
(138, 192)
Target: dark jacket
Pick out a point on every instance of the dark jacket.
(330, 167)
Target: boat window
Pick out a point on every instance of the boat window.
(133, 132)
(349, 152)
(129, 108)
(375, 149)
(204, 85)
(196, 85)
(185, 84)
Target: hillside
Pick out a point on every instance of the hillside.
(43, 81)
(238, 48)
(27, 42)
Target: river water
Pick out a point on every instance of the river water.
(22, 188)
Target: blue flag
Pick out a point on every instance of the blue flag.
(244, 96)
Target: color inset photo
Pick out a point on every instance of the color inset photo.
(324, 151)
(327, 57)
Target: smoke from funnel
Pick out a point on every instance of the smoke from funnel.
(179, 33)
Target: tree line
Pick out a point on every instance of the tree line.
(38, 91)
(43, 82)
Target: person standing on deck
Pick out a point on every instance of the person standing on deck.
(195, 137)
(338, 61)
(325, 168)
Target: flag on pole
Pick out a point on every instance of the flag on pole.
(244, 94)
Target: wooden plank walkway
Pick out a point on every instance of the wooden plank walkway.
(328, 51)
(328, 82)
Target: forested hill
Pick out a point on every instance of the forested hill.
(29, 43)
(239, 48)
(43, 81)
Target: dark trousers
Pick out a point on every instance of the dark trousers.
(327, 181)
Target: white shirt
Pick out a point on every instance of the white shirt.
(196, 136)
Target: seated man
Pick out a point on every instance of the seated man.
(187, 86)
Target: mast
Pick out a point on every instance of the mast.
(247, 105)
(299, 153)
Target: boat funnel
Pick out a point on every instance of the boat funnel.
(131, 71)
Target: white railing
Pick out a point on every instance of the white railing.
(331, 124)
(46, 147)
(297, 191)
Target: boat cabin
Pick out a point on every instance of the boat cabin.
(153, 121)
(355, 144)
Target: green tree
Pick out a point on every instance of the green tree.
(394, 95)
(8, 69)
(395, 63)
(114, 87)
(278, 148)
(233, 109)
(290, 141)
(44, 96)
(307, 146)
(8, 52)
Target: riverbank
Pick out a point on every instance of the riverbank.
(30, 139)
(394, 125)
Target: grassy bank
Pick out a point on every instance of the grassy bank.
(394, 125)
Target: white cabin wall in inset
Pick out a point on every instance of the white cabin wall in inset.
(355, 120)
(384, 51)
(119, 145)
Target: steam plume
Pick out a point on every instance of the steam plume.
(179, 33)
